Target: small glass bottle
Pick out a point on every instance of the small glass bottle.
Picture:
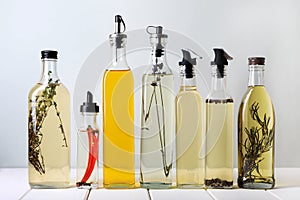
(49, 129)
(219, 127)
(190, 165)
(118, 115)
(256, 130)
(87, 145)
(157, 117)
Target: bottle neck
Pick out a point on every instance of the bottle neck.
(159, 61)
(218, 81)
(89, 119)
(49, 74)
(187, 82)
(119, 61)
(256, 75)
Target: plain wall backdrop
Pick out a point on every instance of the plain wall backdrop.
(75, 28)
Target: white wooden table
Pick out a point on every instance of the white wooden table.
(14, 185)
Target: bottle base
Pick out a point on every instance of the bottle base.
(84, 185)
(155, 185)
(190, 186)
(51, 185)
(256, 184)
(119, 186)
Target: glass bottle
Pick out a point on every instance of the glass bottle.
(87, 145)
(49, 128)
(256, 130)
(219, 127)
(118, 115)
(157, 117)
(190, 165)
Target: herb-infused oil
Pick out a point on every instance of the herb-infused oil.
(157, 120)
(118, 116)
(190, 165)
(256, 130)
(219, 127)
(49, 129)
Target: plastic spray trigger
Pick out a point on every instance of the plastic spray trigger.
(188, 64)
(221, 59)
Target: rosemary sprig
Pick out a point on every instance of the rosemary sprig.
(37, 115)
(259, 141)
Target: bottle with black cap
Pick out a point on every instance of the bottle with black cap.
(49, 128)
(256, 131)
(118, 115)
(219, 127)
(190, 165)
(157, 117)
(87, 145)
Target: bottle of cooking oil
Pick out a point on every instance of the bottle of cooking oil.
(158, 117)
(49, 128)
(256, 130)
(190, 165)
(219, 127)
(118, 115)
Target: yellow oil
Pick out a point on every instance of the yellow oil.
(56, 154)
(265, 178)
(190, 164)
(118, 128)
(219, 143)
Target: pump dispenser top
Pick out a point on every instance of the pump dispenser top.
(89, 105)
(221, 59)
(187, 64)
(118, 35)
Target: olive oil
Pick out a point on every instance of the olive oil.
(118, 116)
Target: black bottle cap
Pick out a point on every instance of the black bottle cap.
(49, 54)
(89, 105)
(221, 59)
(256, 61)
(189, 63)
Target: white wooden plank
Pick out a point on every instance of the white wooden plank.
(13, 183)
(288, 193)
(115, 194)
(241, 194)
(57, 194)
(178, 194)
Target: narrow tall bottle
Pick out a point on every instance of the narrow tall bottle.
(219, 127)
(87, 145)
(49, 128)
(118, 115)
(256, 130)
(190, 165)
(158, 117)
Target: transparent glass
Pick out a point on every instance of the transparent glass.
(49, 131)
(157, 123)
(87, 152)
(256, 131)
(219, 134)
(190, 164)
(118, 121)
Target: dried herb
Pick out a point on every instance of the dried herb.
(259, 141)
(218, 183)
(37, 115)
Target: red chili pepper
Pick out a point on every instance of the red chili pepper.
(93, 153)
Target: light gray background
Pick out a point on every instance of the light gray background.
(75, 28)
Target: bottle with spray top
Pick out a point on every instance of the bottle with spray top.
(118, 115)
(219, 127)
(157, 117)
(87, 145)
(190, 165)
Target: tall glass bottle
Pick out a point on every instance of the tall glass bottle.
(49, 129)
(219, 127)
(118, 115)
(190, 165)
(256, 130)
(87, 145)
(158, 117)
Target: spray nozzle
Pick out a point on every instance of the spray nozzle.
(118, 37)
(221, 59)
(89, 105)
(188, 63)
(118, 22)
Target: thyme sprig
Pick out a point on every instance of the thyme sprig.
(37, 114)
(259, 141)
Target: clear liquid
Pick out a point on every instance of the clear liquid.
(118, 128)
(190, 164)
(261, 152)
(219, 143)
(157, 131)
(55, 154)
